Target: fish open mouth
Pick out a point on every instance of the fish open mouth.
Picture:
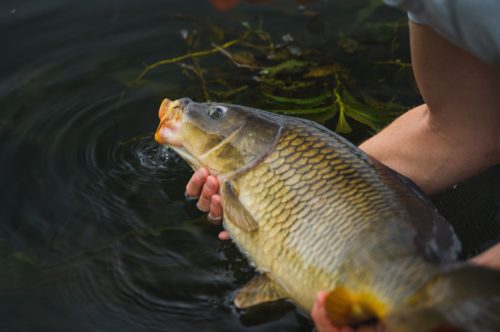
(168, 132)
(170, 114)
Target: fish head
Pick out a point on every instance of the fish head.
(225, 138)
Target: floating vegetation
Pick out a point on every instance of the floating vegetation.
(246, 65)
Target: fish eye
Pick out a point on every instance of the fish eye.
(217, 112)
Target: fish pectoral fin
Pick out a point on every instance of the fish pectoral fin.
(236, 213)
(259, 290)
(347, 308)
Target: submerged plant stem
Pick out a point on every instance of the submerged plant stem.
(191, 55)
(394, 63)
(231, 92)
(230, 57)
(199, 72)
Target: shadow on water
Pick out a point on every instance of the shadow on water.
(95, 234)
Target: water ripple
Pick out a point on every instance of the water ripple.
(95, 232)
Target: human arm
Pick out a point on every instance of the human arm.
(455, 134)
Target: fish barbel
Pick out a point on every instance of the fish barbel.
(313, 212)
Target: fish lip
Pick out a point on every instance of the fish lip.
(169, 108)
(170, 114)
(168, 131)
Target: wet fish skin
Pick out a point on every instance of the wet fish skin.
(333, 216)
(313, 212)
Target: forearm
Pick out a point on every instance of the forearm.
(457, 133)
(411, 147)
(431, 155)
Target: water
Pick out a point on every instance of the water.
(95, 234)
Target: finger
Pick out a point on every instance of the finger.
(195, 184)
(315, 313)
(320, 317)
(224, 236)
(215, 209)
(318, 314)
(210, 188)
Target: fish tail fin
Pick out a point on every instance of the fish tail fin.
(345, 307)
(464, 298)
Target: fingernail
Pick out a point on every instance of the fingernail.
(212, 219)
(190, 198)
(199, 208)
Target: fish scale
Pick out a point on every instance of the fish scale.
(306, 237)
(313, 212)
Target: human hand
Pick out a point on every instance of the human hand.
(489, 258)
(206, 187)
(323, 323)
(320, 317)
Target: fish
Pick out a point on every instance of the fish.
(313, 212)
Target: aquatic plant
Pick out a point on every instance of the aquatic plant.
(283, 75)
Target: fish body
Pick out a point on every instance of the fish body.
(313, 212)
(328, 215)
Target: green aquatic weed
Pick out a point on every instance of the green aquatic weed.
(288, 76)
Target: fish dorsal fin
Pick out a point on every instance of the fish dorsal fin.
(346, 308)
(234, 211)
(259, 290)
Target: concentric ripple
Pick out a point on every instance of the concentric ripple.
(98, 231)
(113, 244)
(117, 242)
(95, 233)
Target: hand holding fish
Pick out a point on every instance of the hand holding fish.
(206, 187)
(304, 205)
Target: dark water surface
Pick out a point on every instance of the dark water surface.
(95, 234)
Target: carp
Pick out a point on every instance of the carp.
(313, 212)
